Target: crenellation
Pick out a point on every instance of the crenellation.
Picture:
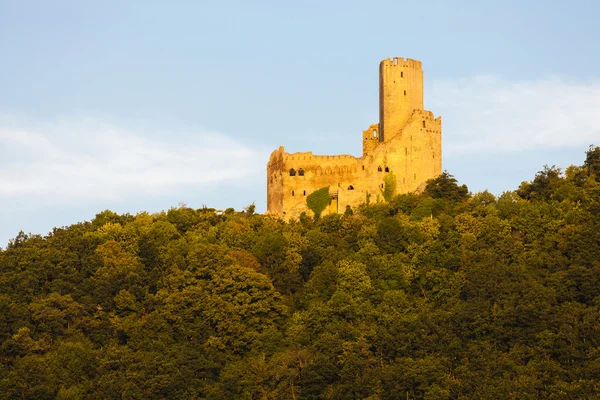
(405, 142)
(402, 62)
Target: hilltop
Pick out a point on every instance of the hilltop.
(438, 295)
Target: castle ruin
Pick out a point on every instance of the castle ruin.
(405, 147)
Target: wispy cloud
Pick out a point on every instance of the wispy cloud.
(490, 114)
(87, 158)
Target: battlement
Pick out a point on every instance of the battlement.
(310, 156)
(424, 114)
(401, 62)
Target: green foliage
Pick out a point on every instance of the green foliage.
(318, 201)
(348, 211)
(424, 209)
(251, 209)
(392, 235)
(592, 161)
(404, 203)
(446, 186)
(389, 186)
(425, 296)
(543, 185)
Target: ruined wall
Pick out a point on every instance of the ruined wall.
(301, 174)
(410, 148)
(370, 138)
(415, 154)
(275, 182)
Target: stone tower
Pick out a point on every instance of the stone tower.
(403, 151)
(400, 93)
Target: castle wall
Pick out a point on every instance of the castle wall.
(410, 148)
(370, 138)
(337, 172)
(275, 192)
(415, 154)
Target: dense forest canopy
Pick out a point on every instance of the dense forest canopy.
(439, 295)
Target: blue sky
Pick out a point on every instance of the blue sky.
(140, 105)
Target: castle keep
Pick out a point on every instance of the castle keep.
(405, 147)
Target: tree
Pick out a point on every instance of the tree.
(446, 186)
(392, 236)
(592, 161)
(243, 306)
(543, 185)
(250, 209)
(55, 313)
(118, 270)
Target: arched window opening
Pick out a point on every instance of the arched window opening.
(292, 172)
(387, 169)
(363, 167)
(423, 124)
(379, 169)
(374, 133)
(350, 187)
(292, 192)
(301, 172)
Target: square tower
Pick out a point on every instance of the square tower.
(400, 93)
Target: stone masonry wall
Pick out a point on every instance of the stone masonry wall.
(413, 153)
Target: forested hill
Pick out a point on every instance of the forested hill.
(442, 295)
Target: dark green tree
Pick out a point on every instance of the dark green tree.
(543, 185)
(592, 161)
(446, 186)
